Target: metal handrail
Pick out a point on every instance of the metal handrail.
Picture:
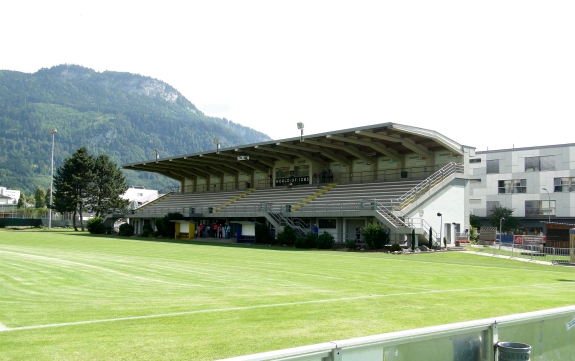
(433, 180)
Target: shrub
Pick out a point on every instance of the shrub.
(165, 227)
(145, 233)
(288, 236)
(262, 233)
(473, 235)
(126, 229)
(395, 247)
(375, 236)
(171, 226)
(161, 227)
(96, 225)
(351, 245)
(325, 241)
(309, 241)
(147, 227)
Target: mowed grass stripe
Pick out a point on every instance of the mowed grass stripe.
(246, 299)
(231, 309)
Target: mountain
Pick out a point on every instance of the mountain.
(123, 115)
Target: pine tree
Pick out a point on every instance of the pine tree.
(22, 200)
(72, 184)
(40, 198)
(109, 184)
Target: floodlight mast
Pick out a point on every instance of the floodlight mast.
(51, 131)
(440, 228)
(300, 126)
(217, 143)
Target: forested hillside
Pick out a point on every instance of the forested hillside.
(123, 115)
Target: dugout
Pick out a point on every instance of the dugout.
(245, 231)
(184, 229)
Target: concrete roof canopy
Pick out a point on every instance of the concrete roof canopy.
(365, 143)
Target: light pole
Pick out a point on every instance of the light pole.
(440, 228)
(51, 131)
(300, 126)
(217, 143)
(549, 197)
(454, 231)
(501, 235)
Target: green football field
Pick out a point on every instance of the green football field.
(72, 296)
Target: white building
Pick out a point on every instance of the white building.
(14, 195)
(139, 195)
(536, 182)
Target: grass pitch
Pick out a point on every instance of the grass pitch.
(72, 296)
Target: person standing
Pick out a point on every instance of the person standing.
(315, 229)
(330, 175)
(323, 174)
(215, 227)
(228, 230)
(207, 233)
(357, 233)
(201, 231)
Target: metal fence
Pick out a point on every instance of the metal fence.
(550, 333)
(533, 252)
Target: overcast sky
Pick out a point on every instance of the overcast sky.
(489, 74)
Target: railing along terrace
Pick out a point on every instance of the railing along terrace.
(382, 175)
(435, 179)
(214, 188)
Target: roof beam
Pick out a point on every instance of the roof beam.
(328, 153)
(406, 142)
(377, 147)
(349, 149)
(231, 167)
(151, 167)
(263, 152)
(305, 154)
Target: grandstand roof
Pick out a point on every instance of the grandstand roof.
(364, 143)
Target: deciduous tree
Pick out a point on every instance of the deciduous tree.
(508, 224)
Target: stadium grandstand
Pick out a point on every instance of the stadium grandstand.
(401, 177)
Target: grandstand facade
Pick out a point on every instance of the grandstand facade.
(398, 176)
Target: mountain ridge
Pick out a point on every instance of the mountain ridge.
(123, 115)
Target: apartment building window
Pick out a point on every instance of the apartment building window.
(564, 184)
(493, 166)
(475, 160)
(539, 208)
(512, 186)
(536, 164)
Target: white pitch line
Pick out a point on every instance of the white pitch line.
(3, 328)
(187, 313)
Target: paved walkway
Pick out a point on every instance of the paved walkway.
(509, 257)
